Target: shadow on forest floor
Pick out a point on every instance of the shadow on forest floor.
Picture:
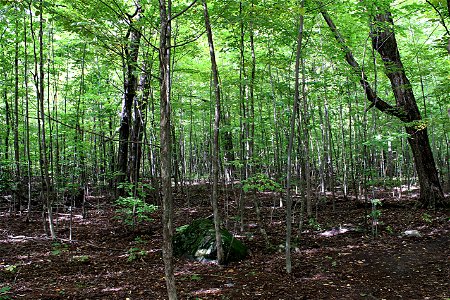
(336, 256)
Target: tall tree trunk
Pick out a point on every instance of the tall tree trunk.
(27, 116)
(140, 108)
(16, 102)
(291, 142)
(215, 150)
(7, 117)
(383, 40)
(39, 80)
(385, 43)
(165, 151)
(131, 50)
(251, 122)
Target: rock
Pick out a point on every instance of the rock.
(413, 233)
(197, 240)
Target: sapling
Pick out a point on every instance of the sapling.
(375, 215)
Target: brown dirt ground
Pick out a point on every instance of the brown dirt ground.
(351, 265)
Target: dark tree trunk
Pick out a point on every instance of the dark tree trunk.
(384, 41)
(130, 86)
(140, 108)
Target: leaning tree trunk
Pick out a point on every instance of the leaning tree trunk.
(406, 110)
(384, 41)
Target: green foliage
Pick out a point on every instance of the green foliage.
(5, 176)
(333, 262)
(11, 269)
(375, 214)
(81, 258)
(390, 229)
(59, 248)
(135, 253)
(427, 218)
(312, 223)
(4, 291)
(181, 228)
(133, 210)
(260, 183)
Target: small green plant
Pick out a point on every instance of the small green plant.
(81, 258)
(4, 291)
(196, 277)
(58, 248)
(181, 228)
(133, 210)
(375, 214)
(427, 218)
(333, 262)
(390, 229)
(312, 222)
(11, 269)
(136, 253)
(140, 240)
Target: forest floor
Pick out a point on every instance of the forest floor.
(108, 260)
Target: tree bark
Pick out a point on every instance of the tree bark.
(385, 43)
(130, 86)
(140, 108)
(383, 40)
(165, 151)
(215, 151)
(291, 142)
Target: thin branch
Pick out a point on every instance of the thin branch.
(183, 11)
(189, 41)
(440, 16)
(370, 93)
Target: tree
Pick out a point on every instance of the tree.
(291, 139)
(406, 110)
(215, 155)
(131, 50)
(165, 141)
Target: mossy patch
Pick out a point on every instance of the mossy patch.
(197, 240)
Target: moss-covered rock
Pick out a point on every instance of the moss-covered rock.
(198, 241)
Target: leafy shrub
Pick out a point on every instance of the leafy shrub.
(260, 183)
(136, 253)
(134, 210)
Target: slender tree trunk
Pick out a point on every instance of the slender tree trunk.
(46, 188)
(7, 117)
(215, 151)
(27, 115)
(165, 151)
(243, 107)
(16, 103)
(291, 142)
(251, 123)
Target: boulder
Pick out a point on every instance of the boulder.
(198, 241)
